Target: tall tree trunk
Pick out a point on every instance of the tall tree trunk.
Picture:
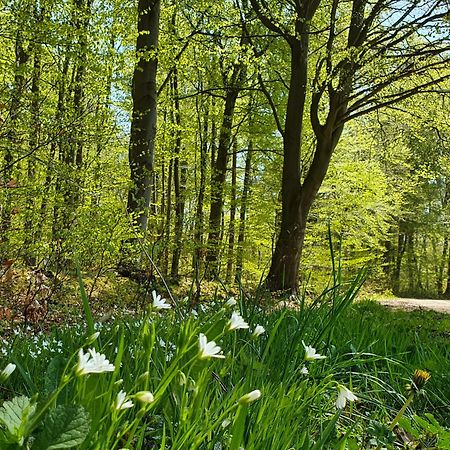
(401, 247)
(179, 182)
(219, 170)
(143, 123)
(231, 226)
(297, 198)
(60, 188)
(440, 274)
(283, 273)
(199, 225)
(243, 210)
(447, 289)
(34, 143)
(165, 259)
(21, 59)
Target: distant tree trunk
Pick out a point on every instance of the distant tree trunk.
(401, 247)
(218, 175)
(33, 143)
(165, 259)
(179, 179)
(143, 123)
(447, 289)
(231, 227)
(199, 225)
(73, 154)
(19, 84)
(414, 275)
(440, 274)
(60, 120)
(243, 210)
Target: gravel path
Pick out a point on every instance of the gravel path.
(409, 304)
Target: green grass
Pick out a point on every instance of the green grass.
(368, 349)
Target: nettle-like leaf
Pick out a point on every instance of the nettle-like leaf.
(64, 427)
(14, 415)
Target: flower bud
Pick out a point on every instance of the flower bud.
(258, 331)
(250, 397)
(6, 372)
(92, 338)
(144, 397)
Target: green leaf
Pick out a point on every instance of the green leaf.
(64, 427)
(14, 415)
(327, 433)
(53, 373)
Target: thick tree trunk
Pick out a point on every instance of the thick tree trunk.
(143, 124)
(297, 198)
(283, 273)
(231, 227)
(243, 211)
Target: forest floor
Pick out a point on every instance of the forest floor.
(410, 304)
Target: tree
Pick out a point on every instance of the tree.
(143, 123)
(359, 67)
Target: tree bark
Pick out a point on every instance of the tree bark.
(231, 226)
(219, 170)
(199, 224)
(297, 198)
(143, 124)
(243, 211)
(33, 143)
(21, 59)
(283, 273)
(179, 182)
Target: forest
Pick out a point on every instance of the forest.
(231, 148)
(272, 159)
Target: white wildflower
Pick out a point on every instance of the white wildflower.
(304, 371)
(311, 354)
(92, 362)
(208, 349)
(258, 331)
(237, 322)
(344, 394)
(159, 302)
(121, 401)
(231, 302)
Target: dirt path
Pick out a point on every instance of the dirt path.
(409, 304)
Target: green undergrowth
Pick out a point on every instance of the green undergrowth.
(277, 387)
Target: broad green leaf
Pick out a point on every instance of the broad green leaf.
(64, 427)
(14, 415)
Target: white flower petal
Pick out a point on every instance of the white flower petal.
(311, 354)
(237, 322)
(208, 349)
